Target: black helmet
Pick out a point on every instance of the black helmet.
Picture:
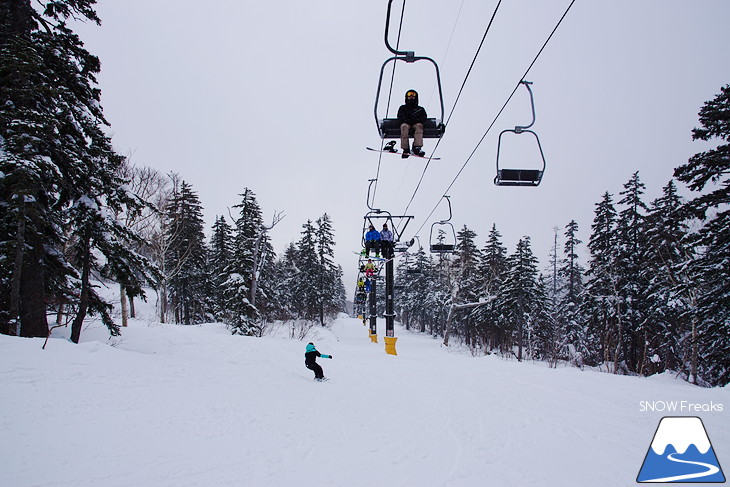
(412, 96)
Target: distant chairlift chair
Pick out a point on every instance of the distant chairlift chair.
(437, 245)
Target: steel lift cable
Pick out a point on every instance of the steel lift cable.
(519, 83)
(390, 91)
(448, 46)
(489, 26)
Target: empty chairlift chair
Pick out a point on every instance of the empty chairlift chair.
(444, 241)
(523, 176)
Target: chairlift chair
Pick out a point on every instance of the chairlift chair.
(411, 268)
(520, 177)
(439, 247)
(389, 128)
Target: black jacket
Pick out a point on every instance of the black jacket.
(411, 113)
(310, 357)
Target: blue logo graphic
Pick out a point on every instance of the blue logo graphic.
(681, 452)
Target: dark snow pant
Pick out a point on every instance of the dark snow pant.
(372, 244)
(386, 247)
(318, 372)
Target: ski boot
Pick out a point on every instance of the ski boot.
(406, 153)
(418, 152)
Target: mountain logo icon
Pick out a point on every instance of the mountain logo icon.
(681, 452)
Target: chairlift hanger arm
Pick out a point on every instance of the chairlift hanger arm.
(368, 200)
(387, 28)
(520, 128)
(448, 200)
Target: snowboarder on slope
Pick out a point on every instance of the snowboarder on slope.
(310, 360)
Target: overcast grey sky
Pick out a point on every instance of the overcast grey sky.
(278, 97)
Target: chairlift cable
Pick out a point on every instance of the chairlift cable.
(495, 118)
(390, 95)
(494, 14)
(448, 46)
(489, 26)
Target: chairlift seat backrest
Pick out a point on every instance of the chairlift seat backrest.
(438, 248)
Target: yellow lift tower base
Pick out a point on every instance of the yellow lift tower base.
(373, 337)
(390, 345)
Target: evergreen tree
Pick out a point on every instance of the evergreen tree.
(413, 278)
(466, 287)
(492, 271)
(670, 293)
(551, 323)
(307, 263)
(520, 297)
(710, 269)
(318, 286)
(286, 285)
(546, 331)
(186, 257)
(331, 291)
(571, 273)
(219, 258)
(599, 302)
(60, 179)
(264, 275)
(631, 283)
(242, 315)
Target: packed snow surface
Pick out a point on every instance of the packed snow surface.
(168, 405)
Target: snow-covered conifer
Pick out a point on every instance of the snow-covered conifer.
(632, 284)
(519, 296)
(599, 300)
(186, 257)
(708, 173)
(60, 171)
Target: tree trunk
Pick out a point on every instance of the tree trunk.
(132, 312)
(12, 327)
(123, 301)
(84, 299)
(33, 321)
(695, 351)
(163, 303)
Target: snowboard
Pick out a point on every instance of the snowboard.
(372, 257)
(409, 155)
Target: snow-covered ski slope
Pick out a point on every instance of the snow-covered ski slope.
(168, 405)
